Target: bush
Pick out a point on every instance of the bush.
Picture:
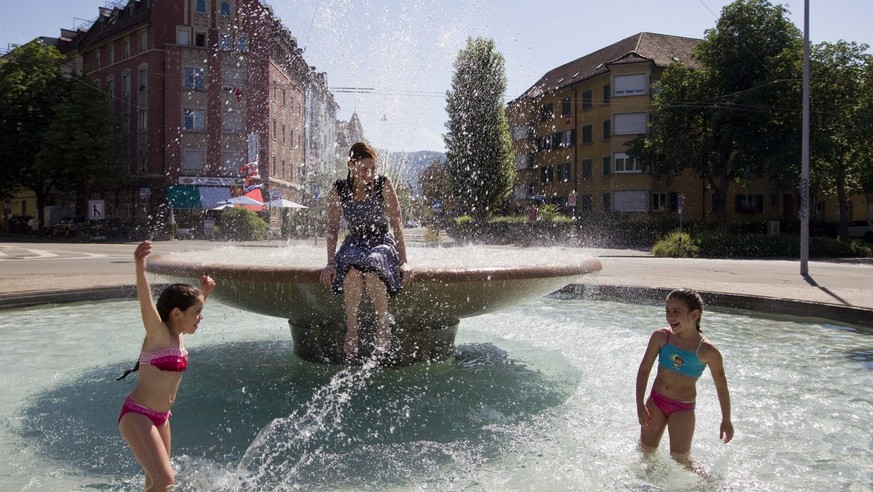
(712, 244)
(239, 224)
(676, 245)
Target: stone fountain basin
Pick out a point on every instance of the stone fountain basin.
(438, 295)
(465, 283)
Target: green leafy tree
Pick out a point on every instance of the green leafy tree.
(478, 146)
(80, 151)
(840, 118)
(30, 88)
(735, 115)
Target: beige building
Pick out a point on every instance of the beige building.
(570, 131)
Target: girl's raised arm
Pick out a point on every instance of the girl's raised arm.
(150, 318)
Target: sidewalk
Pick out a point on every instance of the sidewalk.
(838, 290)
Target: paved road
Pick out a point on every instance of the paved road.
(28, 269)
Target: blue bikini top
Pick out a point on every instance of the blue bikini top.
(682, 361)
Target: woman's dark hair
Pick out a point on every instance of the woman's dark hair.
(692, 301)
(359, 150)
(181, 296)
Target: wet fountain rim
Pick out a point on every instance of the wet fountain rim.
(164, 265)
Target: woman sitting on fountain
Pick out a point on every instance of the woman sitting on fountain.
(370, 260)
(144, 419)
(682, 353)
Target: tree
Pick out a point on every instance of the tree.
(737, 115)
(840, 154)
(478, 147)
(56, 130)
(30, 88)
(80, 151)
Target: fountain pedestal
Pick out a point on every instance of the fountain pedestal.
(425, 314)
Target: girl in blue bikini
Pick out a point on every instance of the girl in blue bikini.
(682, 353)
(144, 418)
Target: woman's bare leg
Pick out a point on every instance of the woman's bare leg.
(377, 291)
(353, 291)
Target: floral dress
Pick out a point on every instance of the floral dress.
(369, 246)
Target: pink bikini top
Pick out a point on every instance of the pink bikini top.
(168, 359)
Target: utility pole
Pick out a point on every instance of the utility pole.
(804, 150)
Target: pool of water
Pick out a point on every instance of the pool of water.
(539, 397)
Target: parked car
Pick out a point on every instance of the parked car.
(18, 224)
(861, 228)
(70, 226)
(108, 228)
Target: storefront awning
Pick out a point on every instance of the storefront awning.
(196, 197)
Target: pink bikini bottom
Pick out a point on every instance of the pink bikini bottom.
(669, 405)
(131, 406)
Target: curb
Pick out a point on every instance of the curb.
(765, 306)
(855, 316)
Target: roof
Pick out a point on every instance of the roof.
(660, 49)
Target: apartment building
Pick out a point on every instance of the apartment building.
(570, 131)
(210, 97)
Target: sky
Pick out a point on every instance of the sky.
(399, 54)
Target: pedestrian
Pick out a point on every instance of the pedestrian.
(371, 259)
(144, 418)
(682, 353)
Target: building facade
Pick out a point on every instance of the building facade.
(571, 128)
(210, 99)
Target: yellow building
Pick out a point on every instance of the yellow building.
(570, 131)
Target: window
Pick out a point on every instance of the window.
(232, 120)
(630, 201)
(97, 58)
(587, 134)
(200, 8)
(291, 137)
(142, 121)
(125, 84)
(631, 123)
(607, 166)
(284, 96)
(183, 36)
(242, 43)
(125, 124)
(547, 174)
(274, 128)
(233, 78)
(194, 78)
(193, 159)
(225, 8)
(607, 199)
(200, 39)
(110, 88)
(607, 129)
(224, 41)
(142, 160)
(586, 203)
(568, 139)
(587, 168)
(607, 93)
(283, 167)
(564, 172)
(125, 48)
(547, 112)
(283, 133)
(142, 78)
(193, 119)
(274, 165)
(565, 107)
(630, 85)
(624, 164)
(659, 202)
(749, 204)
(110, 54)
(546, 143)
(587, 100)
(231, 161)
(143, 41)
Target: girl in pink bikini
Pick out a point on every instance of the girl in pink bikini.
(144, 419)
(682, 353)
